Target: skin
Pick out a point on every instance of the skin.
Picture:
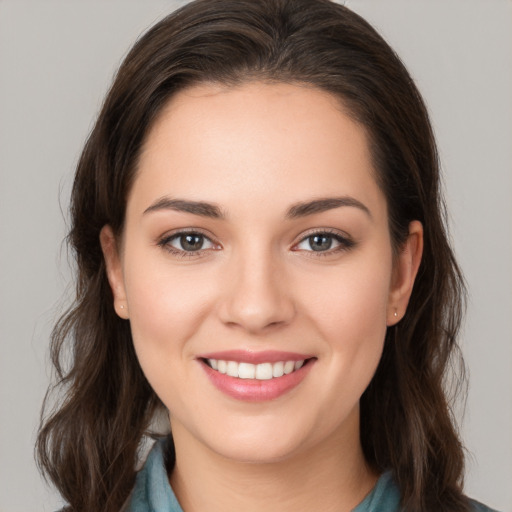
(254, 151)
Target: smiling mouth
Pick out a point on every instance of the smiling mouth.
(261, 371)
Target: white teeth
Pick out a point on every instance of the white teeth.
(232, 369)
(246, 371)
(262, 371)
(289, 366)
(278, 369)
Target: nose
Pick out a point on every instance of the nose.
(257, 296)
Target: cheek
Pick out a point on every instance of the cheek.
(351, 317)
(354, 303)
(166, 312)
(167, 306)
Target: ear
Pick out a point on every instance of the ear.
(404, 273)
(109, 246)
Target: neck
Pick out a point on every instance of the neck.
(330, 477)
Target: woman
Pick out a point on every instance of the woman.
(262, 256)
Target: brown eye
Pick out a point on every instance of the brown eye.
(187, 242)
(324, 242)
(191, 242)
(320, 242)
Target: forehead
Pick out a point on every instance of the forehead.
(214, 142)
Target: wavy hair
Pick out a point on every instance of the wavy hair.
(88, 443)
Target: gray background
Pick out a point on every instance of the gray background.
(56, 61)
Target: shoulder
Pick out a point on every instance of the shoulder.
(480, 507)
(152, 490)
(385, 496)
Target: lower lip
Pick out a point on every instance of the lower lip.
(253, 390)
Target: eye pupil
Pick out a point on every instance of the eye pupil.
(320, 242)
(191, 242)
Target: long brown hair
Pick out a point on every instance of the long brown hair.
(88, 444)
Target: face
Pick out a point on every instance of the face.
(256, 269)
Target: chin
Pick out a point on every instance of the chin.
(261, 443)
(264, 452)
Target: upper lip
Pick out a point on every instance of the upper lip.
(255, 357)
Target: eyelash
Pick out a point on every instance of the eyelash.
(345, 243)
(165, 242)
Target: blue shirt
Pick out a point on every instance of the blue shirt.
(153, 493)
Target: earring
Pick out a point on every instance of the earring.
(122, 307)
(395, 314)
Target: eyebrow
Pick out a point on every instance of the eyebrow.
(321, 205)
(182, 205)
(298, 210)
